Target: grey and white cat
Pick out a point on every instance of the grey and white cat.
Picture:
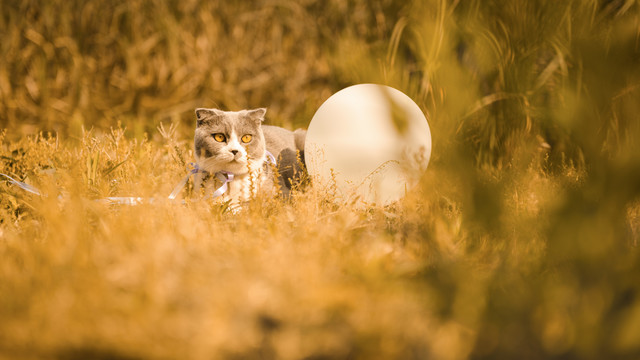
(236, 142)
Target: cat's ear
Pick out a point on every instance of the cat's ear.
(203, 114)
(257, 115)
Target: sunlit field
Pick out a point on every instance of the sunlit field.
(520, 242)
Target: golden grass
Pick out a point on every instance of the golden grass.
(293, 279)
(519, 242)
(286, 279)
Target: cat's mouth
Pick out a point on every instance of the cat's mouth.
(238, 162)
(233, 165)
(237, 165)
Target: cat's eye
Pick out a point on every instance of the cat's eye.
(246, 138)
(219, 137)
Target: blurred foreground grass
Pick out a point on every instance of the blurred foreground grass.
(520, 242)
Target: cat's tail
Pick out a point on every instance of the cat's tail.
(299, 136)
(300, 176)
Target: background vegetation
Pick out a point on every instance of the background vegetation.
(520, 242)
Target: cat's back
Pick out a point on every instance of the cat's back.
(278, 139)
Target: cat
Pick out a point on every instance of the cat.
(236, 145)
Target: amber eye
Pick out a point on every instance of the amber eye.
(219, 137)
(246, 138)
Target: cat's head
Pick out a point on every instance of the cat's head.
(229, 140)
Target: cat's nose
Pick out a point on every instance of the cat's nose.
(234, 152)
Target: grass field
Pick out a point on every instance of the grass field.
(521, 240)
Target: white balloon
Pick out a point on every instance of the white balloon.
(371, 141)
